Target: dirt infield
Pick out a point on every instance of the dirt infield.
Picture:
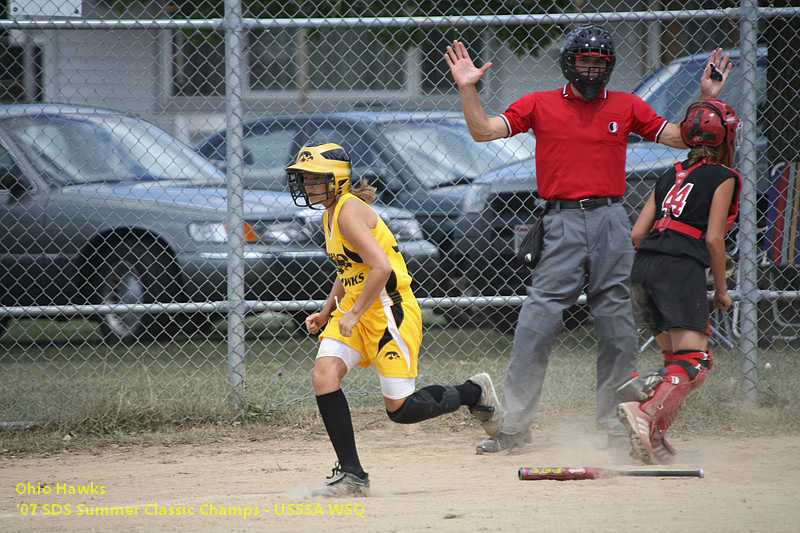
(424, 478)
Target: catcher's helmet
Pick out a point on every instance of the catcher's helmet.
(316, 164)
(711, 123)
(591, 41)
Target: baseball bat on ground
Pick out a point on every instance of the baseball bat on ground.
(564, 473)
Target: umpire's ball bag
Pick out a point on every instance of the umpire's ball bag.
(531, 248)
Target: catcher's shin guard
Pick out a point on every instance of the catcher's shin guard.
(649, 421)
(638, 388)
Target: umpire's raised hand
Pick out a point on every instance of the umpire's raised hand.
(464, 71)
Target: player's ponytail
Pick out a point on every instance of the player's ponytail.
(364, 191)
(714, 154)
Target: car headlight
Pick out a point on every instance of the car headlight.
(405, 229)
(278, 232)
(476, 197)
(291, 232)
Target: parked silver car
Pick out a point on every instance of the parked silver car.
(97, 207)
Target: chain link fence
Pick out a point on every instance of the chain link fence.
(154, 268)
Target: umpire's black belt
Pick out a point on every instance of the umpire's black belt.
(585, 203)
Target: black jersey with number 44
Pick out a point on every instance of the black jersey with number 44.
(690, 203)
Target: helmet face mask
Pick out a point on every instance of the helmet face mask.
(321, 164)
(587, 42)
(710, 123)
(301, 184)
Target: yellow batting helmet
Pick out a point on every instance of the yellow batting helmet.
(316, 164)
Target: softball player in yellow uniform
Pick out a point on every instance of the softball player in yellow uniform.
(371, 318)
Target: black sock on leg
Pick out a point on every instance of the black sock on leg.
(335, 414)
(470, 393)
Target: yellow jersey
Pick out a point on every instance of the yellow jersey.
(352, 270)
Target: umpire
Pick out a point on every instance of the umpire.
(581, 134)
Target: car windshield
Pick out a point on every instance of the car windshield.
(78, 150)
(444, 153)
(670, 91)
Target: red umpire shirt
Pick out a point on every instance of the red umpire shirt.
(581, 144)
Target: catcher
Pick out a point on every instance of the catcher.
(371, 317)
(679, 234)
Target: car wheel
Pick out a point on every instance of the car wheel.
(131, 273)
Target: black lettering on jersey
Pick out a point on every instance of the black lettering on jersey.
(354, 280)
(341, 262)
(352, 256)
(675, 200)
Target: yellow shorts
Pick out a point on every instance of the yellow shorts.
(388, 337)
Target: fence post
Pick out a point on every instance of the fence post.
(748, 344)
(233, 117)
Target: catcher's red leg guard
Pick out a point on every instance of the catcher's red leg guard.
(649, 420)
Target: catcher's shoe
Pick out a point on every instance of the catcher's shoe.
(663, 450)
(640, 428)
(504, 441)
(488, 410)
(342, 484)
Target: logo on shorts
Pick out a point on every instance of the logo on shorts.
(391, 356)
(613, 127)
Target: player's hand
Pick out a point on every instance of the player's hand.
(347, 322)
(315, 322)
(709, 86)
(464, 71)
(722, 300)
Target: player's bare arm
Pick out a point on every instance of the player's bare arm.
(715, 241)
(316, 321)
(356, 222)
(466, 75)
(645, 221)
(712, 80)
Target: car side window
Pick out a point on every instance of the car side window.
(267, 151)
(6, 160)
(9, 171)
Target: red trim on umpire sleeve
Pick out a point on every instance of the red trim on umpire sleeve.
(660, 130)
(508, 124)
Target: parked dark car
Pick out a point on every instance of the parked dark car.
(97, 207)
(501, 204)
(423, 162)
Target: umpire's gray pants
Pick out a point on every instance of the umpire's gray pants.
(591, 246)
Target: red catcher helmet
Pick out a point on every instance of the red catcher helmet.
(712, 123)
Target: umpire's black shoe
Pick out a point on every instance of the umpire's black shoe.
(504, 441)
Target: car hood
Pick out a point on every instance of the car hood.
(642, 158)
(645, 157)
(445, 201)
(256, 203)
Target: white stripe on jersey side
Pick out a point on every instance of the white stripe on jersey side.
(385, 300)
(394, 331)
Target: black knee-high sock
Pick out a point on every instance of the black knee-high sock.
(335, 414)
